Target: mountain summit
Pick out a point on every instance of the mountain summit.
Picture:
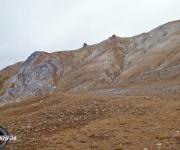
(147, 63)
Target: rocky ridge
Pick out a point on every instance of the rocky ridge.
(113, 63)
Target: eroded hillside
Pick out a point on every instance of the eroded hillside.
(119, 94)
(148, 58)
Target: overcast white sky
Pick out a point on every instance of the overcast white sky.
(52, 25)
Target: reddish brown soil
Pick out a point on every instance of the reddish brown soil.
(65, 121)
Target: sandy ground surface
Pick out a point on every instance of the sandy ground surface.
(64, 121)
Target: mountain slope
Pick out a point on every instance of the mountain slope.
(112, 64)
(65, 121)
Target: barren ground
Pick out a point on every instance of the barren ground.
(64, 121)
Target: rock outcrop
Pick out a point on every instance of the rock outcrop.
(36, 77)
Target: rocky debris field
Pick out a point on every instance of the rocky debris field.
(79, 121)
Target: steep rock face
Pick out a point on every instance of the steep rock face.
(113, 63)
(36, 77)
